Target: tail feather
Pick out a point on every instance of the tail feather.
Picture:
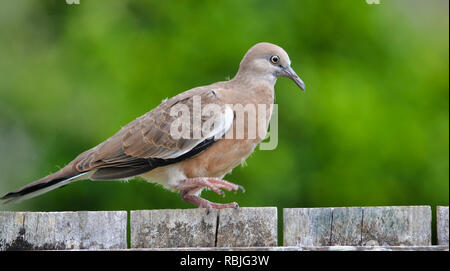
(59, 179)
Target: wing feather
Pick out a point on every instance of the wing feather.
(148, 139)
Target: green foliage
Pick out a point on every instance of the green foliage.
(371, 129)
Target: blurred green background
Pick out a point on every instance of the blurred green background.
(371, 129)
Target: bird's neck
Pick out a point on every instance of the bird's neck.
(258, 86)
(251, 79)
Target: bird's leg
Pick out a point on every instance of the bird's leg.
(188, 196)
(212, 183)
(192, 183)
(226, 185)
(189, 187)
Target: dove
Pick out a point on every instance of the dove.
(189, 142)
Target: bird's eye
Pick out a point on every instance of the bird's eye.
(274, 59)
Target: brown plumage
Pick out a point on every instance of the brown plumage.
(198, 159)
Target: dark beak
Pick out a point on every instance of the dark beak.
(290, 73)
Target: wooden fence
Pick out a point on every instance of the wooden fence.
(346, 228)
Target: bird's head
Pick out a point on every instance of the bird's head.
(268, 61)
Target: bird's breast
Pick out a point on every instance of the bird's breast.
(252, 113)
(233, 148)
(219, 159)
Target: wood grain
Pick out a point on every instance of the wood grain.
(63, 230)
(199, 228)
(358, 226)
(442, 225)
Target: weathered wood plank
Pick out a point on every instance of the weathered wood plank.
(198, 228)
(63, 230)
(358, 226)
(173, 228)
(346, 226)
(442, 225)
(298, 248)
(247, 227)
(306, 226)
(396, 226)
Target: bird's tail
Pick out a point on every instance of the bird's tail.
(58, 179)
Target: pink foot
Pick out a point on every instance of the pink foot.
(190, 186)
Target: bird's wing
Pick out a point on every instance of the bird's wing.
(148, 139)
